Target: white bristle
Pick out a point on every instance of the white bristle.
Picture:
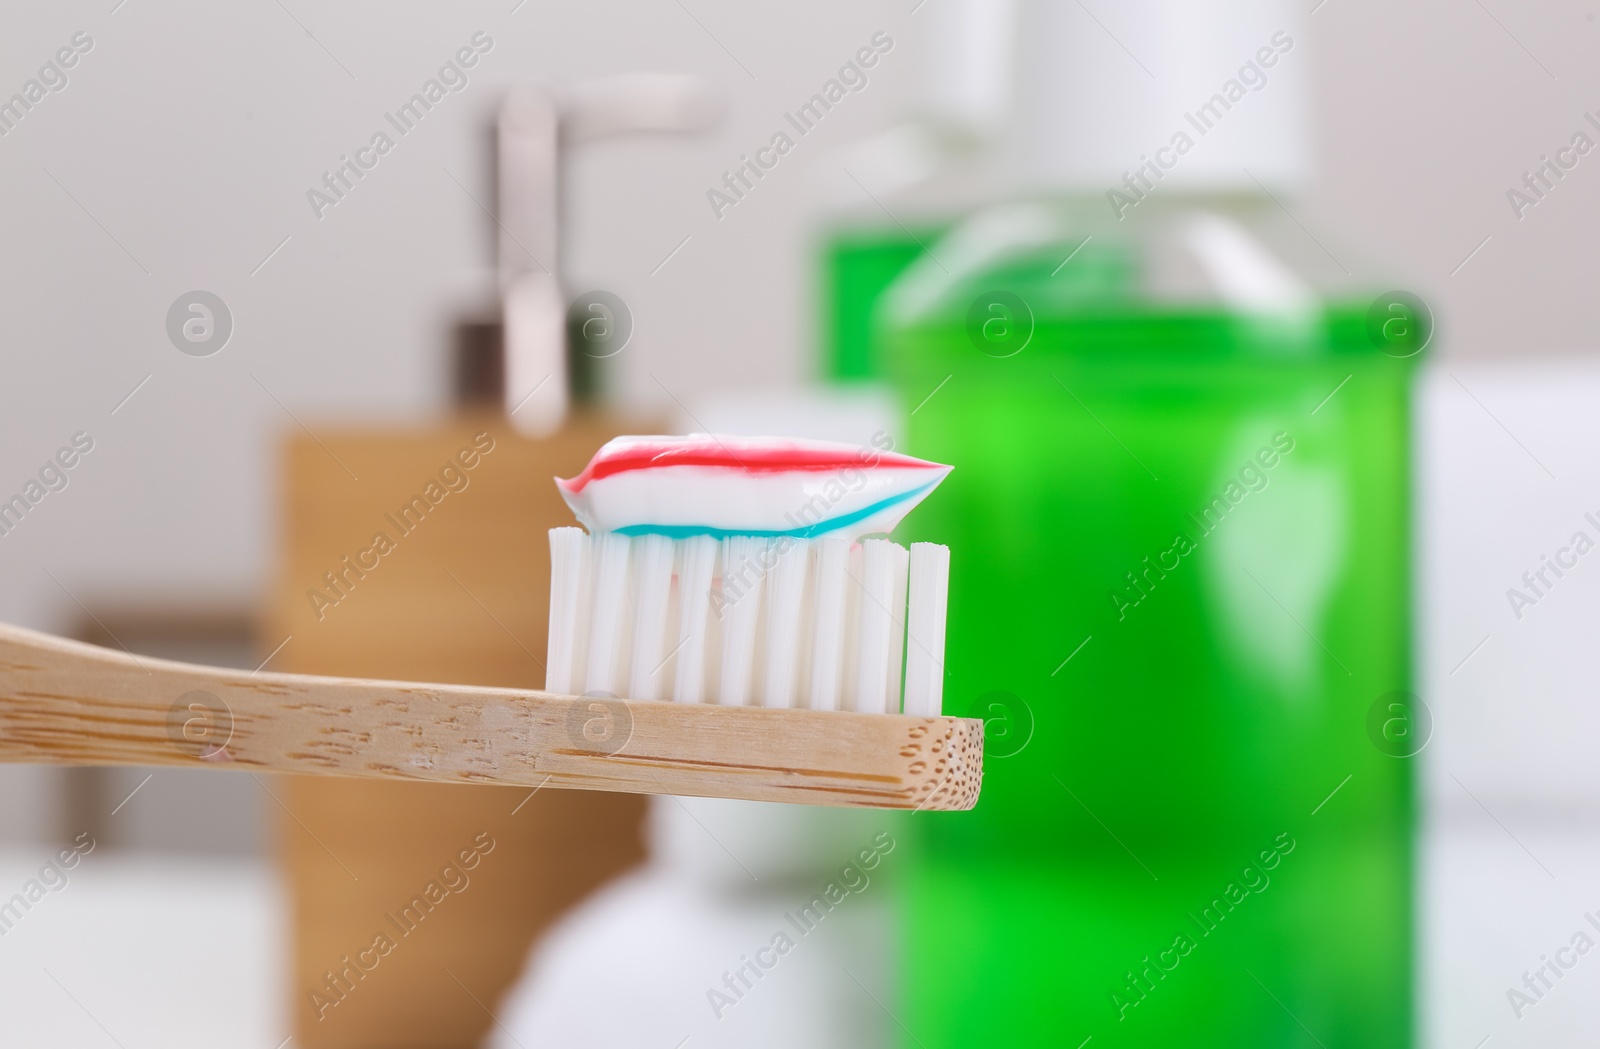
(608, 613)
(694, 604)
(740, 610)
(925, 625)
(652, 580)
(569, 556)
(827, 652)
(819, 623)
(897, 626)
(786, 590)
(850, 657)
(873, 628)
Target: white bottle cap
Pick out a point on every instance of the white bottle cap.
(1218, 88)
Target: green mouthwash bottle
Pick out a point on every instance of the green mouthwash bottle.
(1180, 587)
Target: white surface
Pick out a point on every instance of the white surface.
(173, 954)
(632, 966)
(1495, 900)
(1508, 470)
(144, 952)
(31, 809)
(1511, 860)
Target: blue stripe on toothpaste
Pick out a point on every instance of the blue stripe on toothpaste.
(807, 532)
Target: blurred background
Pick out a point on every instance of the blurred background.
(1374, 243)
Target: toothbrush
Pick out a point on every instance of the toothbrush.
(67, 703)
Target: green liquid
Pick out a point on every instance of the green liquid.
(1188, 834)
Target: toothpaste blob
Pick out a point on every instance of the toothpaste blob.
(705, 484)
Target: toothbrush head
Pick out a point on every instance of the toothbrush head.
(736, 571)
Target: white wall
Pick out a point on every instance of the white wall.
(192, 132)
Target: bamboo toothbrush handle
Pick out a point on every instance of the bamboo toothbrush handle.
(66, 703)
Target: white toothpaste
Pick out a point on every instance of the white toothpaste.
(767, 487)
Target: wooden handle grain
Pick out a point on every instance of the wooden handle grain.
(66, 703)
